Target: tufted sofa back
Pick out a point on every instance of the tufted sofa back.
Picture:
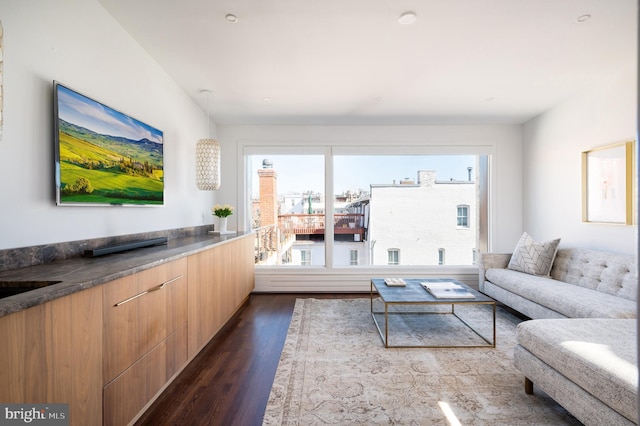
(610, 273)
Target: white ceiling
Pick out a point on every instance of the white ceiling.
(352, 62)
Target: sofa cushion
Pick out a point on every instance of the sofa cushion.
(515, 301)
(570, 300)
(610, 273)
(599, 355)
(533, 258)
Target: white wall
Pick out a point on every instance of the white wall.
(79, 44)
(505, 143)
(553, 143)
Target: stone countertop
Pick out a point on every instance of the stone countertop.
(85, 272)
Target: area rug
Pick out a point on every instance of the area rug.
(335, 370)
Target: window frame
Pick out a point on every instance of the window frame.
(322, 277)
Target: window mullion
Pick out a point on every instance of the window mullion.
(329, 208)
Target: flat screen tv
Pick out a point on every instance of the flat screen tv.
(104, 157)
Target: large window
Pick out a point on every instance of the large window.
(352, 210)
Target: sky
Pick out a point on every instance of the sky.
(298, 173)
(85, 112)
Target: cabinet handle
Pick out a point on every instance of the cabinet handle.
(168, 282)
(160, 287)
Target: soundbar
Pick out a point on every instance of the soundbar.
(124, 247)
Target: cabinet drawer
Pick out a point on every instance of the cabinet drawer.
(130, 392)
(140, 311)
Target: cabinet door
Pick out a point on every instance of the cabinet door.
(246, 266)
(237, 273)
(220, 280)
(202, 322)
(52, 353)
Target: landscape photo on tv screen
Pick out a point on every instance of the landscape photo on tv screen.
(104, 157)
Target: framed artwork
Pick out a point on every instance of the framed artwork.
(608, 184)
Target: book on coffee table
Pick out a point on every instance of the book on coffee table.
(395, 282)
(447, 290)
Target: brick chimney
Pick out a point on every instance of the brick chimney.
(268, 194)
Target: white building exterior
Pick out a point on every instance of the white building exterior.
(345, 253)
(299, 204)
(307, 253)
(430, 222)
(292, 204)
(420, 222)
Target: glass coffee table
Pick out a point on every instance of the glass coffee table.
(411, 309)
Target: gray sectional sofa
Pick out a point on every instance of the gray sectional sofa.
(582, 284)
(581, 346)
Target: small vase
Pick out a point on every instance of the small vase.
(222, 225)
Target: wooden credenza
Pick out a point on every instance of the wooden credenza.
(110, 351)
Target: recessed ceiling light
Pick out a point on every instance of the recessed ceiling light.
(378, 99)
(489, 98)
(407, 18)
(266, 99)
(231, 18)
(583, 18)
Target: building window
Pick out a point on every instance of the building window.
(353, 257)
(463, 217)
(474, 256)
(441, 256)
(305, 257)
(393, 257)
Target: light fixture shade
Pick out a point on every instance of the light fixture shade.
(208, 164)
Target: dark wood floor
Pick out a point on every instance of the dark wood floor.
(228, 383)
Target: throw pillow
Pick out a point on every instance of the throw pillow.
(533, 258)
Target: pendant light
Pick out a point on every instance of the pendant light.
(207, 158)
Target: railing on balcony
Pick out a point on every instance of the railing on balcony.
(267, 244)
(343, 223)
(273, 242)
(272, 245)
